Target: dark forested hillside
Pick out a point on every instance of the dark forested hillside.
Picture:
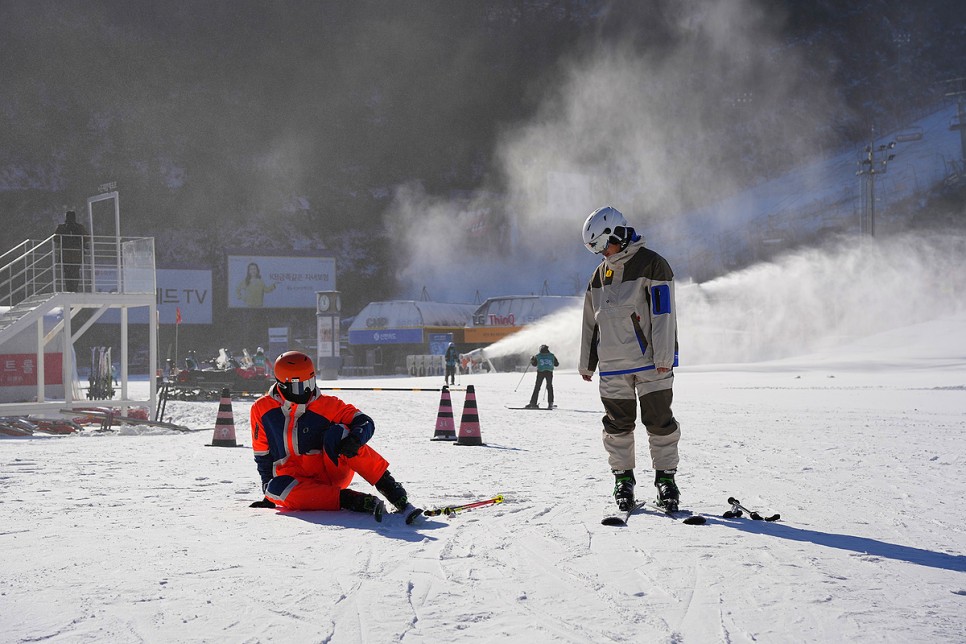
(249, 124)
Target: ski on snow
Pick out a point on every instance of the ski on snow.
(620, 517)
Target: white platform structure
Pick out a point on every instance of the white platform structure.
(40, 320)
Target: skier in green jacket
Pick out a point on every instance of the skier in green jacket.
(544, 362)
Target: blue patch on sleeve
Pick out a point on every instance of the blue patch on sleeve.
(279, 487)
(661, 299)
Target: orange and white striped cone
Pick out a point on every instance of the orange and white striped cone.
(224, 435)
(470, 421)
(445, 426)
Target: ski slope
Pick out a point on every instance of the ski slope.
(146, 535)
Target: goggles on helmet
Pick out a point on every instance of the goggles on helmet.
(298, 388)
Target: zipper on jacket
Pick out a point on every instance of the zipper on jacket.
(641, 341)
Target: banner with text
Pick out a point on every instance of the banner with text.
(258, 281)
(184, 289)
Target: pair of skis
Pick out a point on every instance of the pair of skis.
(620, 517)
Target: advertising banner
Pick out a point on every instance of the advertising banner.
(259, 281)
(20, 369)
(438, 342)
(386, 336)
(187, 290)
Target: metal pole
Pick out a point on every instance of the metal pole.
(872, 202)
(522, 377)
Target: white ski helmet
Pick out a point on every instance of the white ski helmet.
(604, 226)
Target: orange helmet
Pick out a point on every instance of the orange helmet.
(295, 375)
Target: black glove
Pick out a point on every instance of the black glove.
(332, 441)
(264, 503)
(350, 445)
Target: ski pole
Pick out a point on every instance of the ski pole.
(522, 377)
(736, 509)
(453, 509)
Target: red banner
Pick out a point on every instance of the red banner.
(20, 369)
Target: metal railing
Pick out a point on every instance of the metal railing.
(101, 265)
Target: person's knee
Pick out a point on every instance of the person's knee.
(615, 427)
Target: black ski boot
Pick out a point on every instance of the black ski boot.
(395, 493)
(668, 494)
(624, 489)
(361, 502)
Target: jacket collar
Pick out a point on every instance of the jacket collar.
(617, 259)
(288, 405)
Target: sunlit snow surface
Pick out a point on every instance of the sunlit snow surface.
(146, 535)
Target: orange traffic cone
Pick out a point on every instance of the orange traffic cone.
(470, 422)
(224, 435)
(445, 427)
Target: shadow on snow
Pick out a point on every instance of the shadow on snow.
(391, 525)
(862, 545)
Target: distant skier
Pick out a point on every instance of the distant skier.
(544, 362)
(308, 447)
(452, 357)
(630, 331)
(260, 362)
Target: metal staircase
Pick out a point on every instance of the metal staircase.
(36, 282)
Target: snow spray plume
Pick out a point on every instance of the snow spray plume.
(560, 331)
(813, 299)
(648, 130)
(802, 302)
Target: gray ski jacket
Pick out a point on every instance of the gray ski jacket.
(629, 320)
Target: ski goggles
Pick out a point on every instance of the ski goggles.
(298, 387)
(600, 244)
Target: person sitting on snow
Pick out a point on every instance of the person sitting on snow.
(308, 447)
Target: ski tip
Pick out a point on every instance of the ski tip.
(696, 519)
(613, 521)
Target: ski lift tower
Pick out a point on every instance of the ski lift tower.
(870, 167)
(958, 90)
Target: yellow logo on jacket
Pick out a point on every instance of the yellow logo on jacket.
(609, 272)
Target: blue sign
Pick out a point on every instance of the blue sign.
(438, 342)
(386, 336)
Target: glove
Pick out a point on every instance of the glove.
(264, 503)
(350, 446)
(332, 441)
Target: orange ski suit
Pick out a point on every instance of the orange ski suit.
(287, 440)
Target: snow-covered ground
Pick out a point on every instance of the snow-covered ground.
(146, 535)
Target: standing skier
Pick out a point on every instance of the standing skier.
(544, 362)
(629, 332)
(309, 446)
(452, 357)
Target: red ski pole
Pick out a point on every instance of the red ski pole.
(453, 509)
